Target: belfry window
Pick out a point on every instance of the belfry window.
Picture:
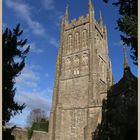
(69, 42)
(84, 38)
(77, 39)
(76, 71)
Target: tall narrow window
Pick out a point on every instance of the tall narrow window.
(77, 40)
(67, 63)
(69, 43)
(84, 38)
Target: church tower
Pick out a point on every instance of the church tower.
(83, 75)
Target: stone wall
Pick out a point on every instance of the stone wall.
(22, 134)
(40, 135)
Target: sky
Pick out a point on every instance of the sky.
(40, 21)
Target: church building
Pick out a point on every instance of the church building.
(83, 76)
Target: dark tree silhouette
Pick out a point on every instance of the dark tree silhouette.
(120, 111)
(128, 25)
(14, 51)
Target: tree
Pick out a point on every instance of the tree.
(120, 111)
(14, 51)
(35, 116)
(128, 25)
(37, 120)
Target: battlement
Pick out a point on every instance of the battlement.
(82, 20)
(77, 22)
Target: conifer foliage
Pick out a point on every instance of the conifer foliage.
(14, 51)
(120, 111)
(128, 24)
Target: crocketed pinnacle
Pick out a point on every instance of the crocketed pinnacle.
(125, 59)
(66, 13)
(90, 5)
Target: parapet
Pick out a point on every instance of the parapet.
(22, 134)
(77, 22)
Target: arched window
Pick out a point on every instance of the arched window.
(76, 71)
(85, 59)
(67, 63)
(76, 61)
(69, 43)
(102, 67)
(77, 40)
(84, 38)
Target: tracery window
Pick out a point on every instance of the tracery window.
(67, 63)
(85, 58)
(76, 61)
(76, 71)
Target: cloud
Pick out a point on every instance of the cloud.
(35, 100)
(57, 15)
(117, 43)
(35, 49)
(28, 78)
(36, 67)
(23, 11)
(31, 93)
(4, 25)
(48, 4)
(53, 41)
(59, 19)
(28, 90)
(46, 74)
(20, 119)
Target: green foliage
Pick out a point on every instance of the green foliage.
(14, 52)
(35, 116)
(37, 121)
(30, 133)
(128, 24)
(41, 125)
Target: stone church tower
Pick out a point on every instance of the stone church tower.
(83, 75)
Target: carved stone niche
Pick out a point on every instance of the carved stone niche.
(85, 59)
(76, 61)
(67, 63)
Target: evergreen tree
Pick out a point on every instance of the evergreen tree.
(14, 51)
(120, 111)
(128, 25)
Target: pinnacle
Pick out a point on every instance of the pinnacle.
(90, 4)
(100, 16)
(125, 59)
(67, 7)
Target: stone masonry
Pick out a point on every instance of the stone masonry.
(83, 76)
(22, 134)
